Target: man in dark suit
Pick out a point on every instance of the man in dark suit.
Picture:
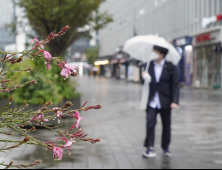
(163, 97)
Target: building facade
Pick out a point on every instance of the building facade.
(176, 21)
(7, 14)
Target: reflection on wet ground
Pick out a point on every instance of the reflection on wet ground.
(196, 131)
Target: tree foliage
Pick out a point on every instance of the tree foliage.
(47, 15)
(92, 55)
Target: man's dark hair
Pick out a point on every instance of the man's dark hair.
(161, 50)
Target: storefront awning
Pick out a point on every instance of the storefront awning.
(130, 60)
(114, 61)
(123, 60)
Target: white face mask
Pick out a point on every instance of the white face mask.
(154, 56)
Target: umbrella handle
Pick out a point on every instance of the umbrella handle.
(147, 66)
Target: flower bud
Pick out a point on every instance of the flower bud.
(67, 105)
(26, 139)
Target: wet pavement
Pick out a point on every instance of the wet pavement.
(196, 131)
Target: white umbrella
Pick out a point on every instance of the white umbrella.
(141, 48)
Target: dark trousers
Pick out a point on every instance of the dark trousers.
(151, 123)
(94, 73)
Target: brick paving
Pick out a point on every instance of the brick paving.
(196, 131)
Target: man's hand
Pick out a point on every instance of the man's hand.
(174, 106)
(146, 77)
(144, 73)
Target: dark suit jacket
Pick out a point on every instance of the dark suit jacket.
(167, 87)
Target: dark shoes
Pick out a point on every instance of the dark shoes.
(149, 153)
(167, 153)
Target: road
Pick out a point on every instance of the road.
(196, 131)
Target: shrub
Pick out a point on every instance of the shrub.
(51, 86)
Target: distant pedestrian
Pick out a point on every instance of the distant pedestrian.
(163, 97)
(89, 71)
(95, 69)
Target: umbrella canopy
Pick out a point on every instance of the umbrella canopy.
(140, 48)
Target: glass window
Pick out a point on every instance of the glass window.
(218, 61)
(199, 66)
(209, 62)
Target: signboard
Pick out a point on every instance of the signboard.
(187, 40)
(202, 38)
(209, 37)
(181, 42)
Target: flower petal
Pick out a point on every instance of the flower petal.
(34, 40)
(64, 73)
(47, 55)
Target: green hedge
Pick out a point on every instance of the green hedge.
(50, 87)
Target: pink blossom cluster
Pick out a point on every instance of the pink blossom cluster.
(46, 54)
(39, 117)
(58, 113)
(68, 143)
(67, 69)
(58, 149)
(57, 152)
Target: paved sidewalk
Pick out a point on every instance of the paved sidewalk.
(196, 131)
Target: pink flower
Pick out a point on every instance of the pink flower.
(77, 116)
(37, 42)
(70, 68)
(59, 114)
(64, 73)
(68, 144)
(34, 117)
(40, 116)
(57, 152)
(47, 55)
(34, 40)
(67, 70)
